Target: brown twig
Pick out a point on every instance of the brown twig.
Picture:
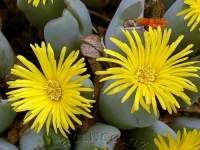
(105, 18)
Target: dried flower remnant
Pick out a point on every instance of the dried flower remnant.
(145, 22)
(150, 70)
(51, 96)
(154, 23)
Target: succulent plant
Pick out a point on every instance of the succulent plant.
(68, 29)
(111, 108)
(179, 24)
(99, 136)
(142, 68)
(183, 140)
(150, 80)
(56, 142)
(128, 9)
(187, 122)
(59, 102)
(4, 145)
(40, 15)
(143, 138)
(7, 115)
(7, 56)
(39, 141)
(33, 141)
(119, 115)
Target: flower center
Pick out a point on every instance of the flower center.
(54, 90)
(145, 75)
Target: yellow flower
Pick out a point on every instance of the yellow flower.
(36, 2)
(186, 141)
(51, 96)
(192, 12)
(152, 70)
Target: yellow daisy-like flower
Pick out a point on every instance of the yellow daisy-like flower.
(186, 141)
(192, 13)
(51, 96)
(151, 70)
(36, 2)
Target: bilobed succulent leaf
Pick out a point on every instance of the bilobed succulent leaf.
(55, 141)
(7, 56)
(118, 114)
(31, 140)
(39, 141)
(68, 29)
(128, 9)
(143, 138)
(41, 14)
(63, 31)
(81, 14)
(187, 122)
(179, 25)
(4, 145)
(7, 116)
(98, 136)
(160, 127)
